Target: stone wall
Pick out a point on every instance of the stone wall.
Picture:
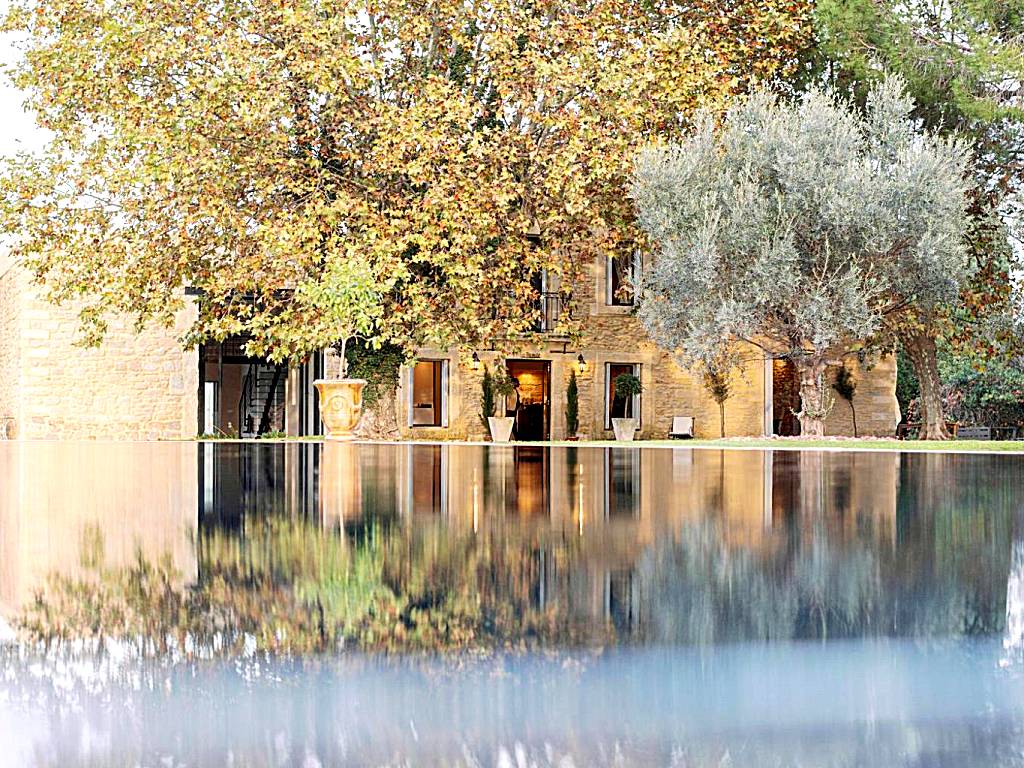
(10, 348)
(134, 386)
(878, 411)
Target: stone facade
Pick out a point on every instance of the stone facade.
(10, 348)
(135, 385)
(613, 335)
(143, 386)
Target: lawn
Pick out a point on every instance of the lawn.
(845, 443)
(784, 444)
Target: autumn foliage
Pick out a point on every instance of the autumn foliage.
(241, 148)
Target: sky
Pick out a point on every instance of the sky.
(17, 129)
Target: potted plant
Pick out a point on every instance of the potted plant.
(627, 387)
(494, 389)
(572, 408)
(344, 303)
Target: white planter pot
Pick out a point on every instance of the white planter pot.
(501, 428)
(625, 429)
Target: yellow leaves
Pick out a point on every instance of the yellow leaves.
(244, 145)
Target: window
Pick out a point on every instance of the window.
(620, 276)
(619, 407)
(547, 287)
(428, 399)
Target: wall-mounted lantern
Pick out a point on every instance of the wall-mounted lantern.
(581, 363)
(475, 362)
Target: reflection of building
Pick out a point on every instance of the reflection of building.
(619, 537)
(60, 502)
(611, 505)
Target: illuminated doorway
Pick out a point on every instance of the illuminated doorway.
(529, 405)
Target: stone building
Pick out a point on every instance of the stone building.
(145, 386)
(136, 385)
(439, 397)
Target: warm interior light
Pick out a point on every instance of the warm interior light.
(581, 363)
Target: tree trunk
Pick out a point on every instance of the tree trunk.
(721, 416)
(920, 348)
(380, 421)
(814, 405)
(853, 412)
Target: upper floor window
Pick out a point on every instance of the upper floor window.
(620, 278)
(428, 394)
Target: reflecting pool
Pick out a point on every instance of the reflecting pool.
(415, 604)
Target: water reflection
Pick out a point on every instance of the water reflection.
(663, 588)
(303, 547)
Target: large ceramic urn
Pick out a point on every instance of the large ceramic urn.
(341, 405)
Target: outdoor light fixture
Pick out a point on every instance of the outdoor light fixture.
(581, 363)
(476, 362)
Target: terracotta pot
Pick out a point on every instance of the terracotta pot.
(341, 406)
(625, 429)
(501, 428)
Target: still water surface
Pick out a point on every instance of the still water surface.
(300, 604)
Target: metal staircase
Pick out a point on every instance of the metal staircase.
(261, 406)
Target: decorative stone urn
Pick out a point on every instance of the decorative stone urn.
(341, 406)
(501, 428)
(625, 429)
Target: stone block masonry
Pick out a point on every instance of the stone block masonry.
(134, 386)
(613, 335)
(10, 351)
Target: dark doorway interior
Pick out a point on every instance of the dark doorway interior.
(530, 404)
(427, 477)
(785, 398)
(241, 396)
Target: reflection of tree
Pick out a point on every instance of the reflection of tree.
(287, 586)
(697, 590)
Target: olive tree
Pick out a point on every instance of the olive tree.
(797, 226)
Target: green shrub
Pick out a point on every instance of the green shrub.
(486, 397)
(572, 406)
(628, 386)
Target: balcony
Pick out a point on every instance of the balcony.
(552, 305)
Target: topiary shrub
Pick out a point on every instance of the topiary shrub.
(572, 406)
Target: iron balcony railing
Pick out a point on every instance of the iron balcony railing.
(552, 305)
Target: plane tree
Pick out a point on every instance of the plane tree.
(249, 149)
